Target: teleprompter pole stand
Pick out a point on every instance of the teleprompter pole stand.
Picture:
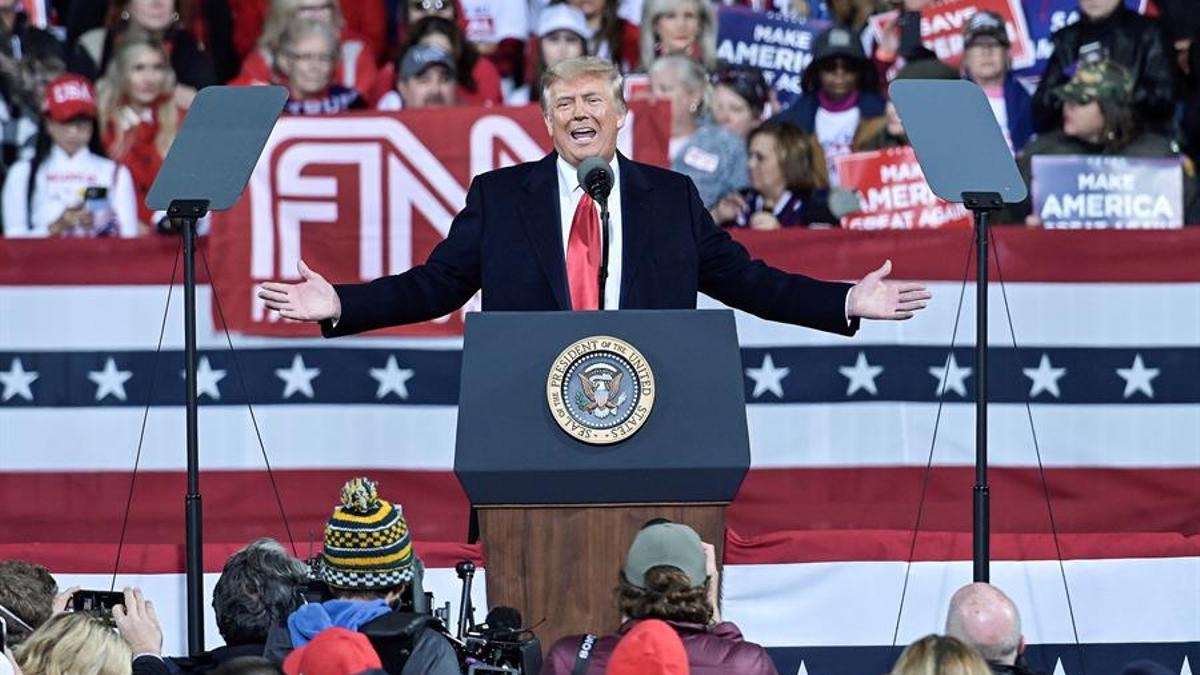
(184, 213)
(206, 169)
(981, 204)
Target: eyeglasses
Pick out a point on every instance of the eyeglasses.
(304, 10)
(324, 59)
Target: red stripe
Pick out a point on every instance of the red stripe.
(890, 545)
(169, 558)
(1027, 255)
(1085, 500)
(770, 549)
(239, 506)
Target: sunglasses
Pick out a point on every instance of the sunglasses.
(431, 5)
(746, 81)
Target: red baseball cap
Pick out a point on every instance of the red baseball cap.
(334, 651)
(69, 96)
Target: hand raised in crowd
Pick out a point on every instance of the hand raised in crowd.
(310, 300)
(137, 622)
(74, 218)
(764, 220)
(62, 600)
(728, 208)
(874, 297)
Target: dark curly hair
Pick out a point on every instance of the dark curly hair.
(259, 586)
(668, 595)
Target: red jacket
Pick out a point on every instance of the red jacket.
(711, 650)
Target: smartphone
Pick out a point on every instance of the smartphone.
(104, 219)
(98, 602)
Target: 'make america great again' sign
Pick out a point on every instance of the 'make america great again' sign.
(1093, 192)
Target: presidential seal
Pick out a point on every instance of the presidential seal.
(600, 390)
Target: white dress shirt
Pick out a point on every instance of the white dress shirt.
(569, 194)
(59, 185)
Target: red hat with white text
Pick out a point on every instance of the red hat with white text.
(70, 96)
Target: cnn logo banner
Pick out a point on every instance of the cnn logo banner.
(364, 195)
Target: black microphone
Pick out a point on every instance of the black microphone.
(596, 178)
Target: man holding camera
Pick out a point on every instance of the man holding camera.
(368, 565)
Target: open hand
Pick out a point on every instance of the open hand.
(876, 298)
(310, 300)
(137, 622)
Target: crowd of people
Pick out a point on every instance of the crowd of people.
(364, 620)
(92, 97)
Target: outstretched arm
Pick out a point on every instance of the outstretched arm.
(441, 285)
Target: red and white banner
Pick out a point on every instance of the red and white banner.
(364, 196)
(942, 26)
(893, 193)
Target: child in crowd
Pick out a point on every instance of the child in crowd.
(67, 189)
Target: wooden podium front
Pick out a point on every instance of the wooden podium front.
(559, 565)
(557, 512)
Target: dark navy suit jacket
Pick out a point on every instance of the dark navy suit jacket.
(507, 240)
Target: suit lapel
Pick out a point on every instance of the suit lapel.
(539, 211)
(637, 216)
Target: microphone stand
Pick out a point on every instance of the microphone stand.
(606, 231)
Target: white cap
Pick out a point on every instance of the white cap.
(563, 17)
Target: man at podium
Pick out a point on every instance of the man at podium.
(532, 239)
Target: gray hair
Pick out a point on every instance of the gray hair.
(298, 28)
(707, 40)
(583, 66)
(259, 586)
(692, 77)
(982, 616)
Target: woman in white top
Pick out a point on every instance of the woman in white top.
(45, 196)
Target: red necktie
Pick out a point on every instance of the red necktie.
(583, 256)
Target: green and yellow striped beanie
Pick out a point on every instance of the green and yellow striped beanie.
(367, 543)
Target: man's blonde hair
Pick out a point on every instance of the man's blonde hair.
(583, 66)
(75, 644)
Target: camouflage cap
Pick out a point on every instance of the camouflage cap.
(1097, 81)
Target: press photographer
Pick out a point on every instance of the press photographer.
(368, 565)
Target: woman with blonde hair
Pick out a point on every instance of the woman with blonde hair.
(75, 644)
(138, 113)
(356, 67)
(685, 27)
(940, 655)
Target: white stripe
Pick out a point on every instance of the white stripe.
(93, 318)
(891, 434)
(856, 603)
(1049, 315)
(296, 437)
(422, 437)
(167, 592)
(128, 317)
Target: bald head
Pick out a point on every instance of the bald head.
(982, 616)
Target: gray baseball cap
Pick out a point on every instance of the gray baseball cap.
(670, 544)
(420, 58)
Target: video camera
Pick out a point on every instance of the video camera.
(499, 645)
